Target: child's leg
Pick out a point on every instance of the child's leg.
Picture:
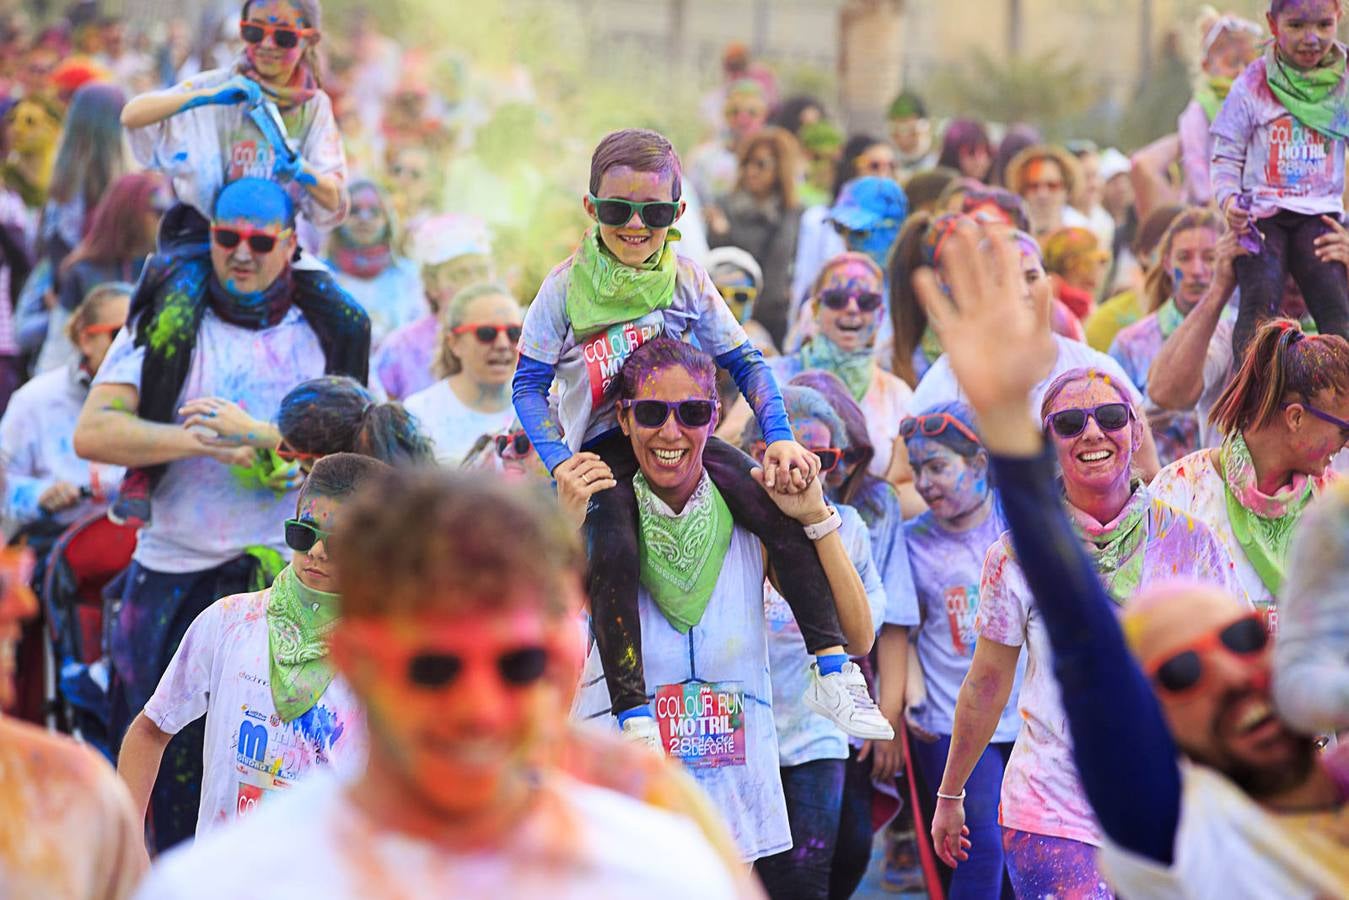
(1324, 284)
(612, 577)
(792, 555)
(1260, 278)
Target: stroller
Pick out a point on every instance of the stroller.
(82, 560)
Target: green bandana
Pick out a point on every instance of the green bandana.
(299, 620)
(1169, 317)
(1117, 548)
(1210, 94)
(1316, 97)
(930, 345)
(681, 555)
(1262, 524)
(857, 368)
(601, 291)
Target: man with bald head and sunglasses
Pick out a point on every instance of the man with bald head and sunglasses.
(235, 324)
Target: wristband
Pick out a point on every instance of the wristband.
(827, 527)
(960, 796)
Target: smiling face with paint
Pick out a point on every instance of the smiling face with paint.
(633, 242)
(274, 63)
(1304, 30)
(850, 328)
(671, 456)
(257, 219)
(1096, 462)
(954, 487)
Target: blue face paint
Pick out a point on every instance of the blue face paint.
(256, 201)
(875, 243)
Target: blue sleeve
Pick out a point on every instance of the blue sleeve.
(1124, 752)
(529, 392)
(756, 382)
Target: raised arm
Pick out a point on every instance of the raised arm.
(1150, 175)
(156, 106)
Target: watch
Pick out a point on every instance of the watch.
(827, 527)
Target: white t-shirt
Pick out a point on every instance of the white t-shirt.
(391, 299)
(587, 370)
(728, 648)
(1228, 846)
(201, 516)
(452, 426)
(221, 670)
(804, 735)
(577, 842)
(939, 384)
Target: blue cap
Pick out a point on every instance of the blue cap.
(868, 203)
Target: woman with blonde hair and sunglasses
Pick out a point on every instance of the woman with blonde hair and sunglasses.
(1049, 833)
(474, 364)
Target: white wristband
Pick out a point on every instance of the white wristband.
(827, 527)
(960, 796)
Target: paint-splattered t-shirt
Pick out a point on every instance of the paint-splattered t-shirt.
(728, 650)
(1134, 348)
(1194, 485)
(391, 299)
(803, 734)
(574, 841)
(1040, 789)
(205, 148)
(587, 369)
(202, 514)
(402, 364)
(946, 569)
(67, 824)
(452, 426)
(1261, 149)
(221, 670)
(37, 448)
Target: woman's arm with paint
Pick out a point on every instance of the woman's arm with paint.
(138, 762)
(1149, 173)
(529, 393)
(109, 431)
(1176, 379)
(156, 106)
(233, 426)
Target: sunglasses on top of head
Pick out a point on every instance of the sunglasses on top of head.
(259, 240)
(837, 299)
(487, 334)
(287, 37)
(616, 212)
(1072, 422)
(933, 424)
(654, 413)
(1184, 669)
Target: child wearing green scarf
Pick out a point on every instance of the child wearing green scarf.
(1278, 167)
(256, 665)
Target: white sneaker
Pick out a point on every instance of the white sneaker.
(842, 698)
(644, 731)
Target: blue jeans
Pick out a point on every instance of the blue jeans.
(814, 792)
(852, 854)
(980, 876)
(1044, 866)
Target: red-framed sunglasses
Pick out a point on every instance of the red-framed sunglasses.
(105, 328)
(829, 458)
(287, 37)
(933, 424)
(1183, 670)
(487, 334)
(289, 454)
(259, 240)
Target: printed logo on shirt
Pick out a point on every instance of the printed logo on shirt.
(702, 724)
(248, 799)
(961, 605)
(250, 158)
(776, 609)
(605, 353)
(1297, 154)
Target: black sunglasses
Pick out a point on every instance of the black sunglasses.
(517, 439)
(1185, 669)
(615, 212)
(258, 241)
(1072, 422)
(517, 668)
(285, 38)
(836, 299)
(302, 535)
(653, 413)
(487, 334)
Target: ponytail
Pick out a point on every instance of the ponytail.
(1281, 365)
(906, 310)
(391, 434)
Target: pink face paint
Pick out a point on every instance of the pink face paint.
(1095, 462)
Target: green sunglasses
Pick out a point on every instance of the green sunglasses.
(303, 534)
(615, 212)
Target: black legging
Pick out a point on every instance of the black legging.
(611, 534)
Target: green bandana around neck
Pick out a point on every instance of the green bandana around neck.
(1169, 317)
(857, 368)
(299, 621)
(1262, 524)
(1316, 97)
(1117, 548)
(681, 555)
(1210, 94)
(601, 291)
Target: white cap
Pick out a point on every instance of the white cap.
(1114, 163)
(734, 256)
(450, 236)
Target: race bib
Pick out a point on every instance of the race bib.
(702, 724)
